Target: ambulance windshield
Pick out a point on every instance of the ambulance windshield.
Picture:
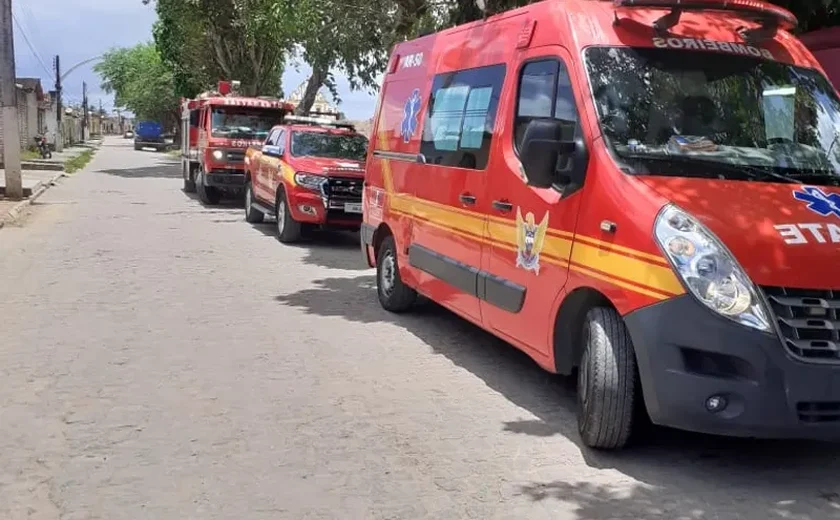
(703, 114)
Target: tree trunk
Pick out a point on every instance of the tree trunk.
(313, 85)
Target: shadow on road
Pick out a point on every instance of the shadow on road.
(164, 168)
(682, 475)
(330, 249)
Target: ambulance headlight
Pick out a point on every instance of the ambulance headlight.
(708, 269)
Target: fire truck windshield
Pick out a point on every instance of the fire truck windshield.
(334, 146)
(685, 113)
(243, 122)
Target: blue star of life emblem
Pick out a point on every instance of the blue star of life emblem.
(819, 201)
(410, 111)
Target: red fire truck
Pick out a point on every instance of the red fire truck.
(217, 127)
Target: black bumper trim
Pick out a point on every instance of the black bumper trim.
(225, 180)
(496, 291)
(686, 354)
(367, 232)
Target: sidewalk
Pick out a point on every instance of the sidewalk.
(37, 177)
(59, 158)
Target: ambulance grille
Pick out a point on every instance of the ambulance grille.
(809, 321)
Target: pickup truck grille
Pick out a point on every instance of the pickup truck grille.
(344, 189)
(809, 321)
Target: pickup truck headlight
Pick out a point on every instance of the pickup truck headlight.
(708, 269)
(218, 155)
(310, 180)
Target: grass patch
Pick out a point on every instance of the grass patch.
(28, 155)
(175, 154)
(77, 163)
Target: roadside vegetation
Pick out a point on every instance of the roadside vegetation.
(197, 42)
(28, 155)
(77, 163)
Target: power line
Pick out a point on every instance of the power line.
(31, 47)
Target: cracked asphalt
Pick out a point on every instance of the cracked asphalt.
(164, 360)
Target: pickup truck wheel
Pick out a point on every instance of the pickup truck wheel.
(252, 216)
(189, 186)
(606, 381)
(288, 229)
(394, 295)
(206, 194)
(138, 147)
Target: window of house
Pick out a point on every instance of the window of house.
(545, 91)
(458, 128)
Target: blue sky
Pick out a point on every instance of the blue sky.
(83, 29)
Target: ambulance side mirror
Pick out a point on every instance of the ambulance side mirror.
(543, 152)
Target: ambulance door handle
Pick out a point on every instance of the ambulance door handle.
(467, 199)
(502, 206)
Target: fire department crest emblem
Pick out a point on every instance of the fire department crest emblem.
(530, 238)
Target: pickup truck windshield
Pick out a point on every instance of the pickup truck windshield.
(243, 123)
(334, 146)
(682, 113)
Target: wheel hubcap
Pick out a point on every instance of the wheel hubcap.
(248, 201)
(583, 373)
(388, 275)
(281, 215)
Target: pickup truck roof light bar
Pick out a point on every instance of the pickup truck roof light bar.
(770, 17)
(319, 121)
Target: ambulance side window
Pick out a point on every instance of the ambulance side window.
(545, 91)
(459, 125)
(272, 138)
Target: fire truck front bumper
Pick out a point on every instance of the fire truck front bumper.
(702, 372)
(225, 178)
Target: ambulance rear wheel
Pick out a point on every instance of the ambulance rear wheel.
(394, 295)
(606, 381)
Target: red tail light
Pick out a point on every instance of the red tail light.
(763, 11)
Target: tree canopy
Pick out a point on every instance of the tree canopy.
(139, 81)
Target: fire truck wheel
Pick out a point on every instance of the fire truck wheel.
(252, 216)
(189, 186)
(394, 295)
(606, 381)
(288, 229)
(206, 194)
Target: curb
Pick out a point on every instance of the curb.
(14, 213)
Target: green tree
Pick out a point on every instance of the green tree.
(140, 82)
(204, 41)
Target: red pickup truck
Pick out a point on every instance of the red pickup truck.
(308, 173)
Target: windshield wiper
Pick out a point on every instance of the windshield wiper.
(752, 171)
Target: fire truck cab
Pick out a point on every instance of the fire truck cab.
(217, 127)
(644, 193)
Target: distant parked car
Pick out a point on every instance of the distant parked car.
(128, 135)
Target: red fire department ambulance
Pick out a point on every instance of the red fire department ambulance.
(644, 192)
(217, 127)
(308, 173)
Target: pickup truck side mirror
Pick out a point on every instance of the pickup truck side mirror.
(548, 160)
(272, 151)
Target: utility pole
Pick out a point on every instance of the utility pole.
(59, 135)
(8, 101)
(84, 112)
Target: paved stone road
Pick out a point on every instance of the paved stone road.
(163, 360)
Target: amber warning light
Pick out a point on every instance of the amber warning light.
(770, 16)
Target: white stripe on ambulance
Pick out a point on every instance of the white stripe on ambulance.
(693, 44)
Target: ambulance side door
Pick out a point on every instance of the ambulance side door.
(529, 229)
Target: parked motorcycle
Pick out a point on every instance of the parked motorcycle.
(43, 147)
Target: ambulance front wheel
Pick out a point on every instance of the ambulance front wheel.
(394, 295)
(606, 381)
